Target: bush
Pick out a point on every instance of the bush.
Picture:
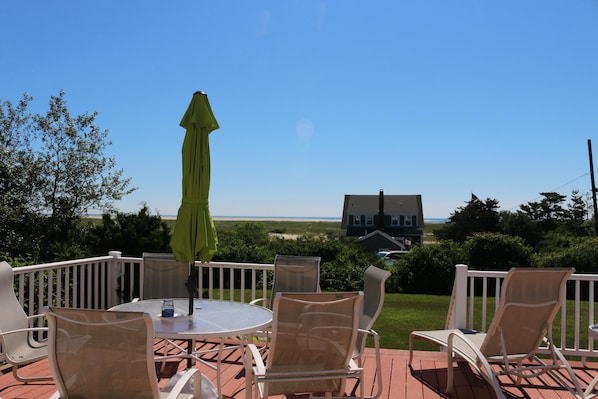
(495, 251)
(429, 269)
(583, 256)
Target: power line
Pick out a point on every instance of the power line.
(558, 188)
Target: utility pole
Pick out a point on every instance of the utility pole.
(593, 187)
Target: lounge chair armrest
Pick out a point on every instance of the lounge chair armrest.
(252, 354)
(36, 316)
(258, 300)
(22, 330)
(451, 347)
(369, 331)
(184, 380)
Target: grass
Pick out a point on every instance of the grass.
(403, 313)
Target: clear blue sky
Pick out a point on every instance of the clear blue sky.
(318, 99)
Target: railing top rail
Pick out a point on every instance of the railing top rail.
(499, 274)
(55, 265)
(235, 265)
(67, 263)
(485, 273)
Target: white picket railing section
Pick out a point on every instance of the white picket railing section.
(102, 282)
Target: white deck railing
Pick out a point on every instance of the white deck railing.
(102, 282)
(106, 281)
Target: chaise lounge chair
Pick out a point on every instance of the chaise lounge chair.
(22, 342)
(529, 301)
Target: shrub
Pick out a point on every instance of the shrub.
(429, 269)
(495, 251)
(583, 256)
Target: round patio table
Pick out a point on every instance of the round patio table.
(210, 319)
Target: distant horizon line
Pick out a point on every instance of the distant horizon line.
(283, 218)
(297, 218)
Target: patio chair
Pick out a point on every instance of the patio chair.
(21, 341)
(108, 354)
(294, 274)
(313, 337)
(529, 300)
(291, 274)
(373, 300)
(164, 277)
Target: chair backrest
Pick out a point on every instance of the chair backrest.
(13, 316)
(295, 274)
(312, 333)
(101, 354)
(530, 299)
(164, 277)
(373, 299)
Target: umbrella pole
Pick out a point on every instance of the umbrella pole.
(191, 284)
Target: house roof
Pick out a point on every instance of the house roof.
(408, 205)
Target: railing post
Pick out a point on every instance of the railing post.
(115, 273)
(457, 316)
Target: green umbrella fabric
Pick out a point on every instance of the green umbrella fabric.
(194, 233)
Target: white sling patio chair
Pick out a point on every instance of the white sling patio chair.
(313, 337)
(530, 299)
(22, 343)
(294, 274)
(163, 277)
(109, 354)
(373, 299)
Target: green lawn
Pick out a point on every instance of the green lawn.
(403, 313)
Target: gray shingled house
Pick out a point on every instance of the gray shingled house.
(384, 221)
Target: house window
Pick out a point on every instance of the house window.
(369, 220)
(395, 221)
(356, 220)
(408, 221)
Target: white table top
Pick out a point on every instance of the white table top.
(211, 318)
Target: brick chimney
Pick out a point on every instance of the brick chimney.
(381, 209)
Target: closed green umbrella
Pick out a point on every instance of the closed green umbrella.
(194, 233)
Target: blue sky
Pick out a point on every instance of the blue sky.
(318, 99)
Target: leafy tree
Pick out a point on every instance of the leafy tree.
(477, 216)
(577, 212)
(130, 233)
(548, 212)
(18, 221)
(55, 168)
(520, 225)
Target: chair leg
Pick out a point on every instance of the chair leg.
(27, 379)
